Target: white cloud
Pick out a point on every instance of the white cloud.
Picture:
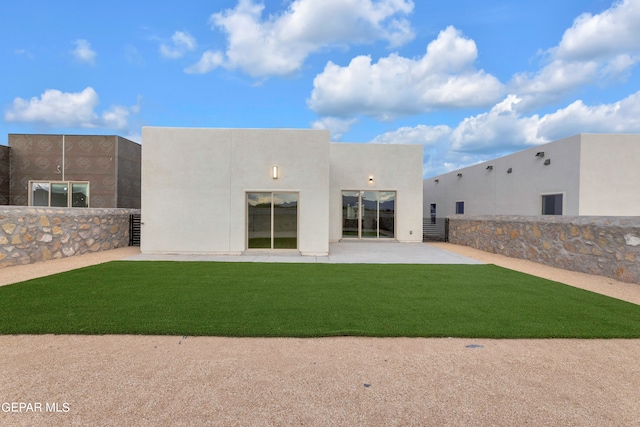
(500, 129)
(83, 52)
(421, 134)
(279, 44)
(132, 55)
(619, 117)
(117, 117)
(23, 52)
(616, 31)
(336, 126)
(63, 109)
(210, 61)
(182, 42)
(444, 78)
(596, 47)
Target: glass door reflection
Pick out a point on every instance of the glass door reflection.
(285, 221)
(368, 214)
(259, 218)
(272, 220)
(350, 213)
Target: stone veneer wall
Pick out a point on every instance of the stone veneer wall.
(606, 246)
(31, 234)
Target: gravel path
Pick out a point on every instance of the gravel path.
(150, 380)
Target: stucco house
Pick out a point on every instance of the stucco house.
(586, 174)
(228, 191)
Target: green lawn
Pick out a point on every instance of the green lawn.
(310, 300)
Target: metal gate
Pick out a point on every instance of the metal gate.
(134, 230)
(435, 229)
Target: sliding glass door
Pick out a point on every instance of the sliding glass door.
(368, 214)
(272, 220)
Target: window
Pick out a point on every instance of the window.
(459, 208)
(433, 213)
(552, 204)
(59, 194)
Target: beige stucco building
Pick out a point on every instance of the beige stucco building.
(586, 174)
(228, 191)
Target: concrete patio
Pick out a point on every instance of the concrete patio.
(356, 252)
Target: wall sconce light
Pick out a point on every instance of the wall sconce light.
(370, 180)
(540, 154)
(274, 172)
(436, 181)
(547, 162)
(489, 168)
(509, 170)
(459, 175)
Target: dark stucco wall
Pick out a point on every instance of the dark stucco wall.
(129, 170)
(4, 174)
(110, 163)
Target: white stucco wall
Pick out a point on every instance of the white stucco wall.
(194, 185)
(393, 168)
(610, 175)
(596, 173)
(520, 192)
(185, 181)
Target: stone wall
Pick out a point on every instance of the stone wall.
(606, 246)
(31, 234)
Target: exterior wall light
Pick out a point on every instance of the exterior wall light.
(371, 180)
(489, 168)
(274, 172)
(509, 170)
(547, 162)
(540, 154)
(459, 175)
(436, 181)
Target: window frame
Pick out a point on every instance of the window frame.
(379, 234)
(555, 194)
(50, 184)
(460, 204)
(272, 219)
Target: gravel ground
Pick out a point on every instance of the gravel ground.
(158, 380)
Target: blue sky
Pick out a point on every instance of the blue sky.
(469, 80)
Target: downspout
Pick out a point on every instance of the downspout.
(63, 150)
(115, 170)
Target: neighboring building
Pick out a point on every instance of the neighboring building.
(231, 190)
(586, 174)
(4, 174)
(73, 171)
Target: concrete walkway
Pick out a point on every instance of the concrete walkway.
(339, 253)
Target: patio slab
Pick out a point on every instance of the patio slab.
(339, 253)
